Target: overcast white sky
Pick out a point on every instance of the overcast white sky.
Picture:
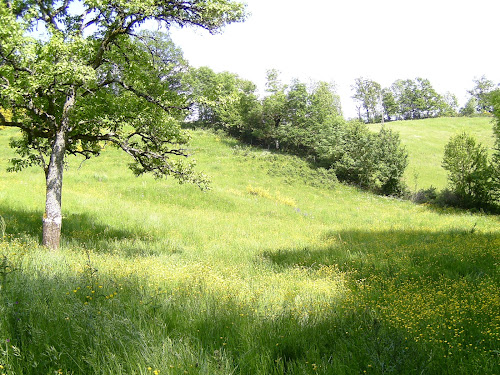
(449, 42)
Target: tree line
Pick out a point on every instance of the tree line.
(302, 119)
(412, 99)
(306, 120)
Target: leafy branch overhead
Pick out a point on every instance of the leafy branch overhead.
(120, 82)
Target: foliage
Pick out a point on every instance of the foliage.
(469, 172)
(408, 99)
(273, 107)
(368, 94)
(494, 101)
(355, 161)
(448, 107)
(371, 160)
(480, 92)
(222, 101)
(470, 108)
(389, 104)
(304, 120)
(392, 160)
(416, 99)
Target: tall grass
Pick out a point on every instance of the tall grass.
(276, 270)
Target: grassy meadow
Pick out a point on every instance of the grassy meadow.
(425, 141)
(275, 270)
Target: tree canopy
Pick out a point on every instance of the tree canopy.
(75, 74)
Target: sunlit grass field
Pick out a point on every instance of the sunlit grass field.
(425, 141)
(275, 270)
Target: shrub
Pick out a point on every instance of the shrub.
(469, 172)
(425, 196)
(392, 159)
(355, 162)
(494, 100)
(375, 161)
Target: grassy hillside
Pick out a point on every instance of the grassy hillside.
(273, 271)
(425, 141)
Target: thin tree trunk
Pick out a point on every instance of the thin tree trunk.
(52, 219)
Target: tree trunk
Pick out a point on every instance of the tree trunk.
(52, 219)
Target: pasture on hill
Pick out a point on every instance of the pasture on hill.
(277, 269)
(425, 141)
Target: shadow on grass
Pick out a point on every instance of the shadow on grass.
(51, 325)
(78, 229)
(407, 254)
(50, 319)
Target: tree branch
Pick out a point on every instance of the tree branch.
(149, 98)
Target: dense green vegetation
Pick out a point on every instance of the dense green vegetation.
(303, 120)
(275, 270)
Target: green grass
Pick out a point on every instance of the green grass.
(425, 141)
(273, 271)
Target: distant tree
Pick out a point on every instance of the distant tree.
(403, 92)
(205, 92)
(482, 87)
(494, 101)
(88, 77)
(428, 101)
(223, 101)
(448, 107)
(325, 102)
(273, 109)
(368, 95)
(415, 99)
(389, 104)
(311, 113)
(470, 108)
(294, 131)
(354, 159)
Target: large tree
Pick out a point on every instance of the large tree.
(75, 74)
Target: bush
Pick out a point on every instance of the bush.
(469, 172)
(425, 196)
(355, 161)
(392, 160)
(374, 161)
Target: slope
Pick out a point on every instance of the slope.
(274, 270)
